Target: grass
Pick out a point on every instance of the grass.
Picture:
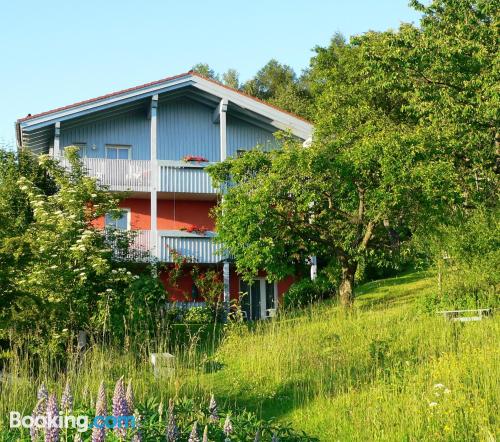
(382, 372)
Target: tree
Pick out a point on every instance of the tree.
(59, 274)
(231, 78)
(279, 85)
(385, 162)
(205, 70)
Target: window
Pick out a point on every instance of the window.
(121, 223)
(118, 152)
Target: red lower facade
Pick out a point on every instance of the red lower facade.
(178, 214)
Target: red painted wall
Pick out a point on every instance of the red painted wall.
(172, 215)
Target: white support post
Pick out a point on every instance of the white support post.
(227, 293)
(222, 110)
(314, 268)
(57, 140)
(154, 178)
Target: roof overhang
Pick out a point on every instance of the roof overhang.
(198, 87)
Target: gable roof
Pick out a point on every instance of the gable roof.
(275, 116)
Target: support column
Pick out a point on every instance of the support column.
(222, 111)
(155, 249)
(223, 131)
(57, 137)
(314, 268)
(226, 275)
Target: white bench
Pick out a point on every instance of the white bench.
(466, 315)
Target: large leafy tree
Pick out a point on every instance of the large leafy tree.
(403, 140)
(59, 274)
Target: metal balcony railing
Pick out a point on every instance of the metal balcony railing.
(178, 177)
(119, 175)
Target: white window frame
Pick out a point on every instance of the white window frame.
(128, 213)
(127, 147)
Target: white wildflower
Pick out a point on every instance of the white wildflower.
(439, 386)
(433, 404)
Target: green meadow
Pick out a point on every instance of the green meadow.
(383, 371)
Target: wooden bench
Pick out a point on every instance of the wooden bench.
(466, 315)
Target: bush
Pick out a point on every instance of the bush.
(198, 315)
(306, 292)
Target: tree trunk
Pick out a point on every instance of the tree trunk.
(346, 288)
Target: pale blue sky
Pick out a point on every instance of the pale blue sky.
(57, 52)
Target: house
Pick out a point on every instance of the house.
(139, 139)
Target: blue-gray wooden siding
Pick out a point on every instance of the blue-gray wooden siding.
(129, 129)
(245, 136)
(186, 127)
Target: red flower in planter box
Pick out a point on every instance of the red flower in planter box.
(194, 158)
(195, 229)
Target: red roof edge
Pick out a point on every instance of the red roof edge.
(193, 73)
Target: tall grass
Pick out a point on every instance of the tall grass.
(382, 372)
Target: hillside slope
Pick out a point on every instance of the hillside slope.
(383, 372)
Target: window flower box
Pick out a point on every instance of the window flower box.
(194, 159)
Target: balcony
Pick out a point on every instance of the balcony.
(118, 175)
(179, 177)
(135, 175)
(201, 249)
(198, 248)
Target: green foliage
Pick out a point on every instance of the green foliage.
(305, 292)
(61, 273)
(467, 257)
(198, 315)
(406, 127)
(278, 84)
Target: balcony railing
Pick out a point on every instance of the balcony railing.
(201, 249)
(135, 175)
(177, 177)
(119, 175)
(139, 249)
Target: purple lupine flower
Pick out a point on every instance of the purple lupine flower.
(130, 398)
(212, 408)
(205, 434)
(38, 411)
(120, 408)
(101, 409)
(42, 392)
(67, 399)
(52, 428)
(172, 429)
(228, 426)
(193, 437)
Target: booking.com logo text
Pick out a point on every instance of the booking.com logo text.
(81, 423)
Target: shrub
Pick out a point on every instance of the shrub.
(305, 292)
(198, 315)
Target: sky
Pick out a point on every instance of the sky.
(55, 53)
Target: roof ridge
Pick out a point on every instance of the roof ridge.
(152, 83)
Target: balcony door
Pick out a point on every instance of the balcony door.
(259, 298)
